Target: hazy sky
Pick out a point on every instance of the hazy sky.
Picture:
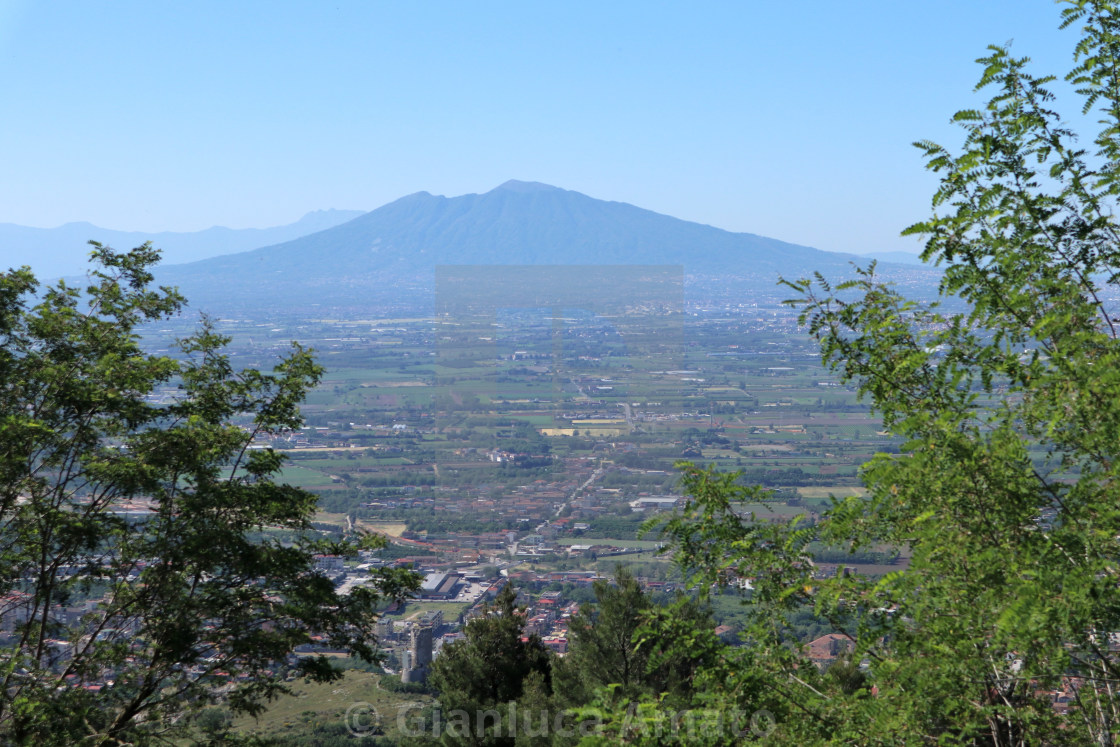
(792, 120)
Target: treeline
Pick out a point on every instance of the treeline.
(498, 669)
(615, 527)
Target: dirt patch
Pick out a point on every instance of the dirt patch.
(389, 529)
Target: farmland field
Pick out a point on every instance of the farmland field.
(314, 705)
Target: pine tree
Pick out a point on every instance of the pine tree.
(479, 677)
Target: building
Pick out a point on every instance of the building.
(440, 586)
(418, 659)
(827, 648)
(657, 503)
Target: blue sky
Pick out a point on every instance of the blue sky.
(791, 120)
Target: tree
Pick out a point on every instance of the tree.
(602, 646)
(612, 643)
(1005, 493)
(687, 694)
(134, 586)
(480, 676)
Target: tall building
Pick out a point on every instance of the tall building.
(419, 659)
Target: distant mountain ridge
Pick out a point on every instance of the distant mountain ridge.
(397, 246)
(54, 252)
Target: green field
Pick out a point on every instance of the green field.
(301, 477)
(312, 705)
(451, 610)
(765, 511)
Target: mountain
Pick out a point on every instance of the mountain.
(385, 255)
(53, 252)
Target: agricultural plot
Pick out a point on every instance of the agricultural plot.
(387, 528)
(302, 477)
(466, 429)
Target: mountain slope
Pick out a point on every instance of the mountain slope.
(395, 248)
(52, 252)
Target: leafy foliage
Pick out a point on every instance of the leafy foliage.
(610, 645)
(150, 511)
(1005, 493)
(494, 666)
